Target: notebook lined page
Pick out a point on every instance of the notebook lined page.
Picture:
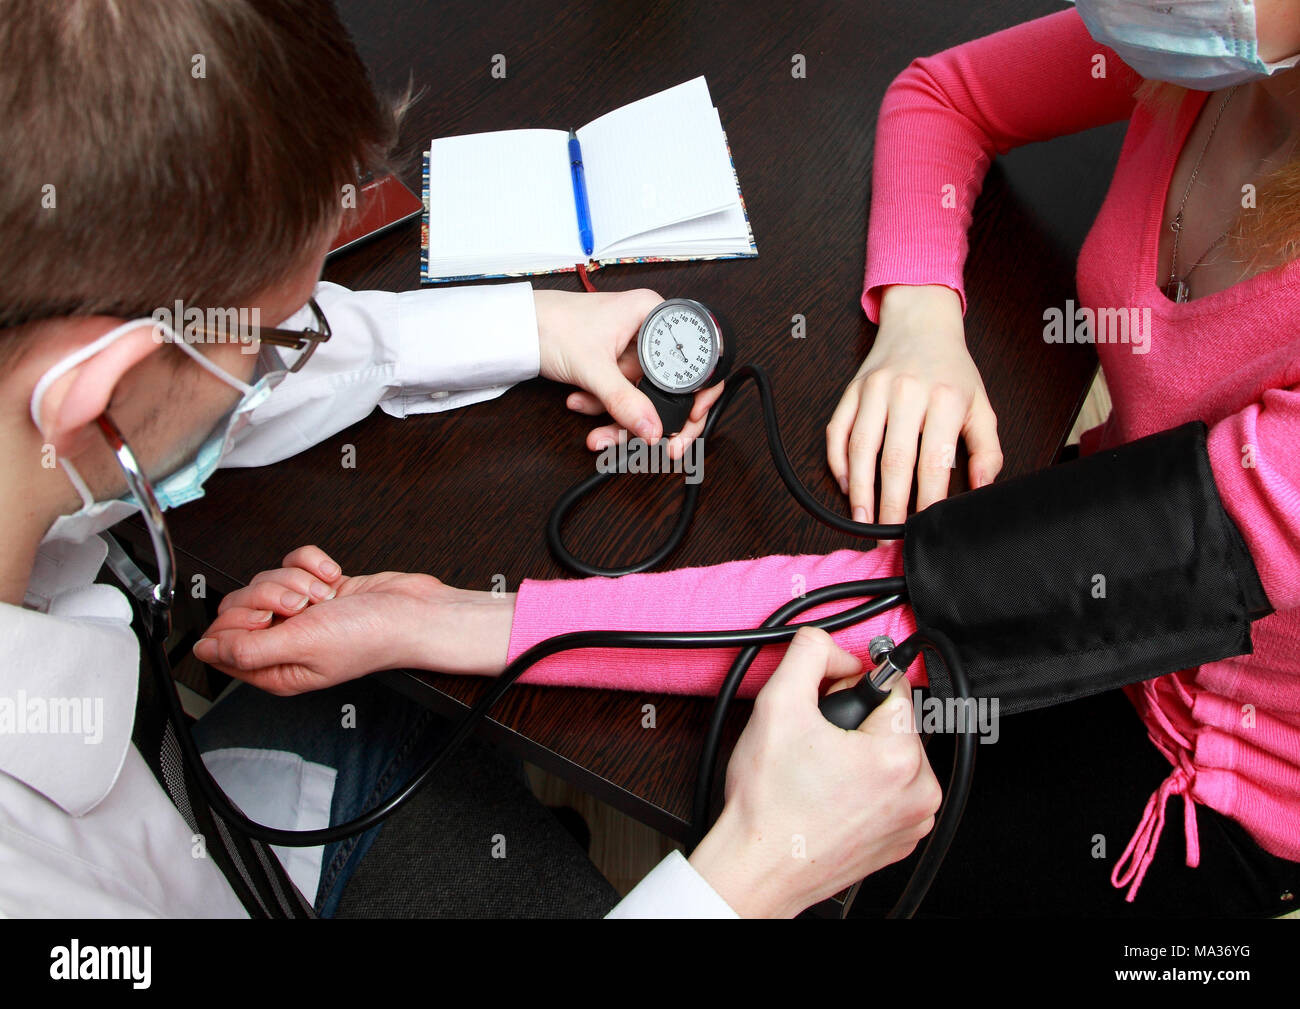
(502, 198)
(723, 232)
(656, 162)
(726, 231)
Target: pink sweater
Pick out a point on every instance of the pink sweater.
(1230, 729)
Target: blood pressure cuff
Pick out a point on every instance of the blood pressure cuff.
(1117, 567)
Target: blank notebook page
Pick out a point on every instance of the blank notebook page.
(724, 231)
(655, 162)
(498, 198)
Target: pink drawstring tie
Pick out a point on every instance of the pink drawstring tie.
(1141, 848)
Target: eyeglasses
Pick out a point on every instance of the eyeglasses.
(304, 340)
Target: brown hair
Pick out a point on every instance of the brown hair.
(1268, 234)
(195, 149)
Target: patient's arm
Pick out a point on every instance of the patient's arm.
(306, 625)
(738, 594)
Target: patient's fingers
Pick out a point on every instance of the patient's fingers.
(982, 440)
(297, 580)
(862, 422)
(312, 558)
(240, 618)
(943, 424)
(263, 658)
(268, 594)
(898, 453)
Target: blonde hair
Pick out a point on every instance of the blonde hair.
(1267, 234)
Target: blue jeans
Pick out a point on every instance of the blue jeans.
(375, 747)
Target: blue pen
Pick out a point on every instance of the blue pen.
(580, 195)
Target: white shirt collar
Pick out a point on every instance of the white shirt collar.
(68, 680)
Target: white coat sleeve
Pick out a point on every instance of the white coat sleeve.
(673, 889)
(408, 352)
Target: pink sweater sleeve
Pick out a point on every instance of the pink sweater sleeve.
(738, 594)
(946, 116)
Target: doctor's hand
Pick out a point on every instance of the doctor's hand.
(917, 383)
(812, 808)
(589, 340)
(306, 626)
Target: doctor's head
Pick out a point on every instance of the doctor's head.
(156, 152)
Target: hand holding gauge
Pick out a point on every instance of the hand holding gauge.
(681, 350)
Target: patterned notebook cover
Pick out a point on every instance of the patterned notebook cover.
(594, 264)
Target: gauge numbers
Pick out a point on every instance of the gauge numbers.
(679, 345)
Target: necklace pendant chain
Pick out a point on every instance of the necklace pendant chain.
(1176, 289)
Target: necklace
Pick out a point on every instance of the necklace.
(1176, 288)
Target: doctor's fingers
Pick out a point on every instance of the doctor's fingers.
(606, 436)
(677, 444)
(627, 405)
(704, 400)
(582, 401)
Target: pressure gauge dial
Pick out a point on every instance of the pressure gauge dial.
(680, 347)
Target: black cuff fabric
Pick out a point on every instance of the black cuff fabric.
(1115, 568)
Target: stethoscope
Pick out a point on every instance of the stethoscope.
(697, 357)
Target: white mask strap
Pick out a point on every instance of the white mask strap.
(90, 350)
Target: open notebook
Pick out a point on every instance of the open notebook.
(660, 185)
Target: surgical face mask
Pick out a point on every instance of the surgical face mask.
(1200, 44)
(186, 482)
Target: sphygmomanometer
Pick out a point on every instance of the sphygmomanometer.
(1118, 567)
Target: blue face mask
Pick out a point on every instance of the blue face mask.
(1200, 44)
(185, 483)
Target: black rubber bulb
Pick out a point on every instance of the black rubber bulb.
(849, 708)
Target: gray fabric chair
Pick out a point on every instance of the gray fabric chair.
(440, 855)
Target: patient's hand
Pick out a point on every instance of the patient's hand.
(917, 383)
(589, 340)
(812, 808)
(306, 626)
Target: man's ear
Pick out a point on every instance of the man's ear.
(75, 399)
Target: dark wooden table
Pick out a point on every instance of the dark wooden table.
(465, 494)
